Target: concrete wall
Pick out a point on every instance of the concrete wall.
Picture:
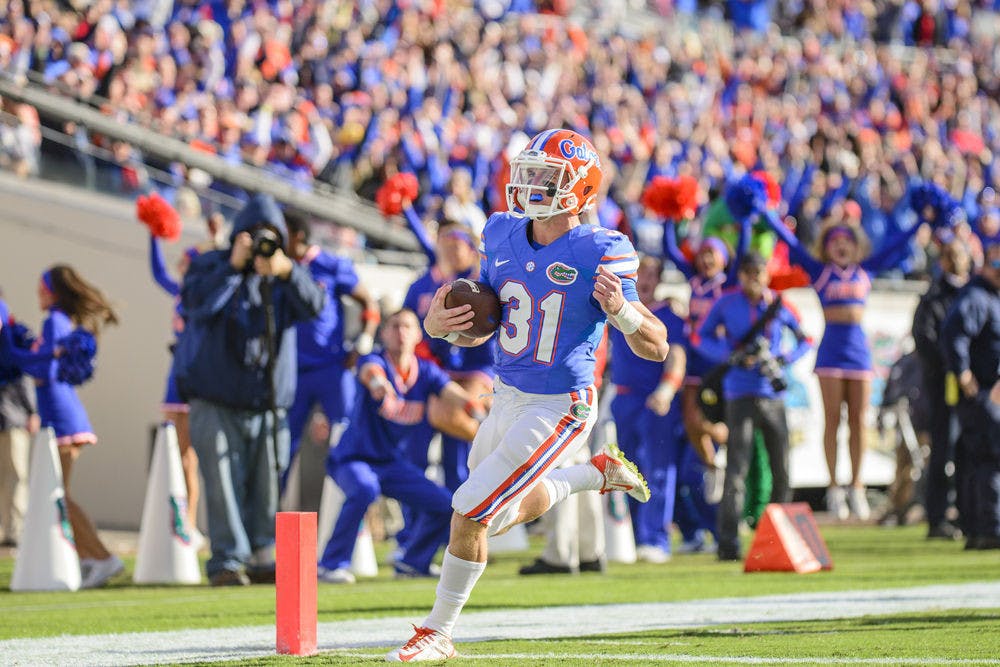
(43, 223)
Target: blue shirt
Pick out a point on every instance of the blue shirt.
(734, 313)
(970, 335)
(321, 339)
(633, 373)
(551, 324)
(381, 431)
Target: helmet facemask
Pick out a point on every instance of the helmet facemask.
(542, 186)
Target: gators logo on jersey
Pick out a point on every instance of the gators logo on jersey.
(561, 274)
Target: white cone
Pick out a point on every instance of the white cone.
(363, 562)
(515, 539)
(46, 559)
(619, 538)
(166, 553)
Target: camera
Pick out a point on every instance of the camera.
(767, 364)
(265, 242)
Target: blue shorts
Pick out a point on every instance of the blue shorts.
(844, 353)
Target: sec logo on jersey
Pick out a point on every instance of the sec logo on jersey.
(561, 274)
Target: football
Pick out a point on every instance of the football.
(484, 301)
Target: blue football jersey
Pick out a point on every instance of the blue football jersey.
(384, 430)
(551, 324)
(641, 376)
(321, 339)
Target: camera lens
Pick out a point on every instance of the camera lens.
(265, 242)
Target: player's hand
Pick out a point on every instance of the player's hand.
(749, 361)
(661, 398)
(441, 320)
(379, 387)
(278, 265)
(967, 381)
(608, 291)
(995, 393)
(241, 251)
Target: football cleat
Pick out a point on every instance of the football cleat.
(425, 645)
(620, 474)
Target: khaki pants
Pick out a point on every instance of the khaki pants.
(14, 447)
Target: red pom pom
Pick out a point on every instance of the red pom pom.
(161, 218)
(389, 198)
(770, 185)
(672, 198)
(687, 196)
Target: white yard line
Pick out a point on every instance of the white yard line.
(147, 648)
(645, 658)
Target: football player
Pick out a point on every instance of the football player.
(559, 281)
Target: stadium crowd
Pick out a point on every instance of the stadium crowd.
(848, 109)
(845, 103)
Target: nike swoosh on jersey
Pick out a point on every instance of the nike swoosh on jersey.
(500, 262)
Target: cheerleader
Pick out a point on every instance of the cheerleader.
(842, 282)
(70, 302)
(174, 408)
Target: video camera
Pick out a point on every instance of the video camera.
(265, 242)
(767, 364)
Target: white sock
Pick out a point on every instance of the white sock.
(458, 577)
(564, 481)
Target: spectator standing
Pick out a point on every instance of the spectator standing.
(647, 414)
(954, 264)
(453, 256)
(971, 341)
(324, 357)
(18, 422)
(752, 399)
(235, 366)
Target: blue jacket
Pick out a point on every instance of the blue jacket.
(222, 355)
(970, 335)
(735, 316)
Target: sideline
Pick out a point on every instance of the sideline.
(213, 645)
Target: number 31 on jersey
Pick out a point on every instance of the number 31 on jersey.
(516, 331)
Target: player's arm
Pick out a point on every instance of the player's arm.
(455, 396)
(673, 376)
(373, 378)
(450, 323)
(370, 318)
(644, 332)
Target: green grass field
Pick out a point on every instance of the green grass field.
(865, 558)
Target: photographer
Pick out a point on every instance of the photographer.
(752, 387)
(235, 364)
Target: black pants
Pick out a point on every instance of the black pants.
(940, 487)
(980, 478)
(743, 415)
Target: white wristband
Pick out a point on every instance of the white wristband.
(627, 320)
(450, 337)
